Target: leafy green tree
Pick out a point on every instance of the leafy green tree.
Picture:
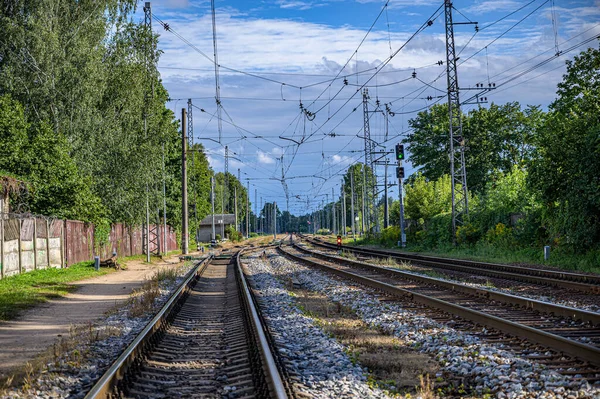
(41, 156)
(363, 180)
(497, 138)
(505, 194)
(424, 199)
(566, 167)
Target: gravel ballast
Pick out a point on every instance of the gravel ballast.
(447, 276)
(320, 362)
(73, 372)
(491, 370)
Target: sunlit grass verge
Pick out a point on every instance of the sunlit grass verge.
(26, 290)
(142, 300)
(486, 252)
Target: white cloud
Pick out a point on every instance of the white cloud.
(299, 5)
(341, 160)
(482, 7)
(264, 158)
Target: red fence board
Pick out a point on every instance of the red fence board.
(126, 241)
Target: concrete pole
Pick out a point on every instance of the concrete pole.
(402, 241)
(248, 209)
(274, 220)
(344, 211)
(184, 191)
(352, 203)
(235, 210)
(364, 219)
(223, 205)
(212, 204)
(255, 210)
(333, 210)
(165, 242)
(386, 221)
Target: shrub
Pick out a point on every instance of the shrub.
(439, 231)
(468, 234)
(500, 235)
(390, 236)
(233, 234)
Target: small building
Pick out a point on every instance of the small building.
(222, 222)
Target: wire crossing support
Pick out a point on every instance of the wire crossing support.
(460, 201)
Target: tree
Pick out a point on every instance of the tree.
(41, 157)
(497, 138)
(566, 167)
(425, 199)
(361, 174)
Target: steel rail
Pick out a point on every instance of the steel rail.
(580, 282)
(106, 386)
(579, 350)
(541, 306)
(274, 381)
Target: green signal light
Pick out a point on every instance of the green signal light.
(399, 152)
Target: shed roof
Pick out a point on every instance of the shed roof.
(227, 218)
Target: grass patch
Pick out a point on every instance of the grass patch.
(485, 252)
(388, 262)
(26, 290)
(393, 366)
(349, 255)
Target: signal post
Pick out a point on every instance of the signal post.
(400, 176)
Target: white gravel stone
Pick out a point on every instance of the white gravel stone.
(489, 367)
(538, 297)
(320, 361)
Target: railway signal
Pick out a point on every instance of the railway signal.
(339, 241)
(400, 172)
(399, 152)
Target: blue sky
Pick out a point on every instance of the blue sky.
(299, 46)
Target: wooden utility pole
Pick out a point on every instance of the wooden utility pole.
(247, 209)
(274, 220)
(184, 193)
(212, 204)
(352, 202)
(235, 210)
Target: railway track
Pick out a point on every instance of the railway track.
(530, 331)
(586, 283)
(207, 341)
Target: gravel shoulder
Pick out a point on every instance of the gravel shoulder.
(39, 328)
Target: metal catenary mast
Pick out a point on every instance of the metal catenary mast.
(460, 201)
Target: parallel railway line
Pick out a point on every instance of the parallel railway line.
(207, 341)
(523, 323)
(585, 283)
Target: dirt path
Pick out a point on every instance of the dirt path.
(38, 328)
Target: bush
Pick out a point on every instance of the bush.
(218, 237)
(439, 231)
(323, 232)
(468, 234)
(233, 234)
(501, 236)
(389, 237)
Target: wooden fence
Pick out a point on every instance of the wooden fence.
(30, 243)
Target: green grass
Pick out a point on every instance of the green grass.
(485, 252)
(26, 290)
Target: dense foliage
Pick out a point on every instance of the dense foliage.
(83, 117)
(533, 176)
